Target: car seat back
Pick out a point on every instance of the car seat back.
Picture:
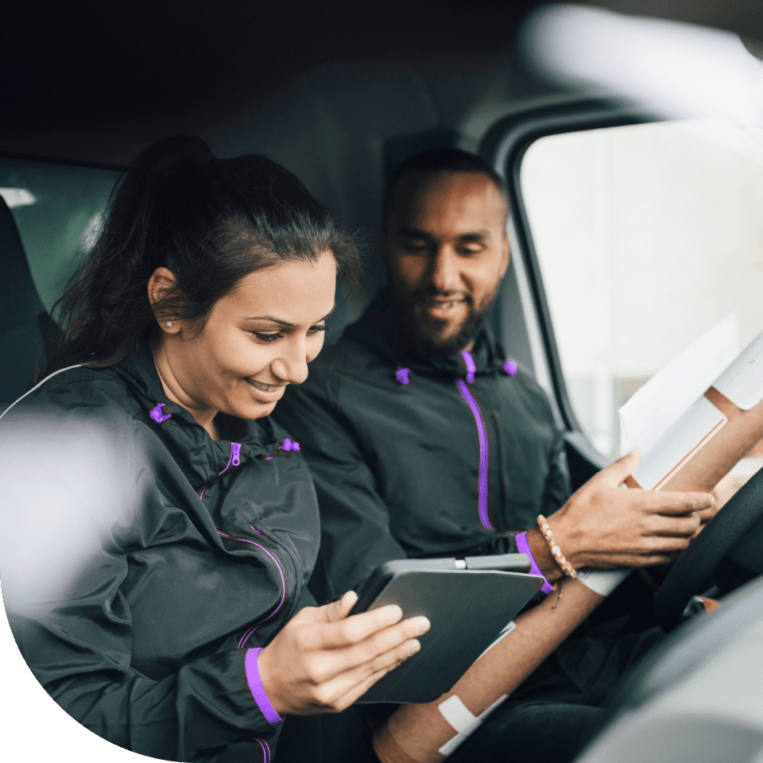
(26, 329)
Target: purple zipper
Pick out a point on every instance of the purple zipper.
(482, 434)
(235, 456)
(251, 630)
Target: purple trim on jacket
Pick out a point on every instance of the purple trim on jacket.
(471, 366)
(510, 367)
(482, 481)
(251, 630)
(157, 415)
(257, 689)
(265, 747)
(523, 547)
(235, 456)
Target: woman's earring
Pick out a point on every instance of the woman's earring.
(168, 324)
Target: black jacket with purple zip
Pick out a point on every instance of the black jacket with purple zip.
(420, 458)
(152, 559)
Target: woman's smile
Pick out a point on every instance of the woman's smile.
(267, 387)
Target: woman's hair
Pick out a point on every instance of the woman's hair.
(211, 222)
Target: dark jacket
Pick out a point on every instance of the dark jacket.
(159, 558)
(396, 446)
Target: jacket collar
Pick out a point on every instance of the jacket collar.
(380, 330)
(201, 457)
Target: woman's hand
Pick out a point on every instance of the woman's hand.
(322, 660)
(603, 527)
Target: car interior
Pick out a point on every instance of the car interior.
(635, 227)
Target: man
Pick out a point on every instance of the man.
(425, 440)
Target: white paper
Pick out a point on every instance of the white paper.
(668, 394)
(742, 381)
(679, 444)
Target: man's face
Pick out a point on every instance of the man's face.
(446, 249)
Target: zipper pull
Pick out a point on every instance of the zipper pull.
(471, 366)
(235, 453)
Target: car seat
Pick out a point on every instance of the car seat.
(26, 329)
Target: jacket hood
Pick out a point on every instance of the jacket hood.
(382, 332)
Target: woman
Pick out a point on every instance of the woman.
(158, 537)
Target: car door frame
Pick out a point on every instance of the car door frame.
(504, 147)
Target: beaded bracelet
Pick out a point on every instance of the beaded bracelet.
(556, 552)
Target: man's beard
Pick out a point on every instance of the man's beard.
(422, 336)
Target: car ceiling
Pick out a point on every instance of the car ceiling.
(95, 82)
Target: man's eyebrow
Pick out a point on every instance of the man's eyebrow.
(472, 236)
(479, 235)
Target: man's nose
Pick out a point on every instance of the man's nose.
(291, 364)
(445, 271)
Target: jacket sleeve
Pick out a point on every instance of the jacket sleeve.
(355, 530)
(63, 571)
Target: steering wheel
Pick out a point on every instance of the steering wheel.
(735, 532)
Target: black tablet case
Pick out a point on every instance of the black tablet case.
(467, 609)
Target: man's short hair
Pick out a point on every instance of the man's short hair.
(436, 161)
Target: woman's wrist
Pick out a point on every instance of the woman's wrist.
(261, 686)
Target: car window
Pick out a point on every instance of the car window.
(646, 236)
(57, 209)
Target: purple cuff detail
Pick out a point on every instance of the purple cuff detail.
(523, 547)
(258, 691)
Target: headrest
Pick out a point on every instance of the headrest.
(19, 300)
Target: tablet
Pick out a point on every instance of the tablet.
(468, 609)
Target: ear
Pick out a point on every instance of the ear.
(161, 282)
(505, 255)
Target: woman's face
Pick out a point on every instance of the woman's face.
(258, 338)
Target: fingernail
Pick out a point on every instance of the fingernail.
(393, 613)
(413, 647)
(422, 625)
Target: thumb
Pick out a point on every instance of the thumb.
(615, 474)
(338, 610)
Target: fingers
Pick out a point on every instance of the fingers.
(348, 686)
(338, 610)
(667, 502)
(368, 652)
(676, 526)
(615, 474)
(350, 630)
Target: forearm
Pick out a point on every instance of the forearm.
(419, 731)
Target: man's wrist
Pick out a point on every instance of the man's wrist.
(523, 547)
(542, 555)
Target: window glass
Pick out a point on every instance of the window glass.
(57, 209)
(647, 235)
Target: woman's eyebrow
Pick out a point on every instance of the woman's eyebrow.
(281, 322)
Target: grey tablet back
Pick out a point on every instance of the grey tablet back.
(467, 610)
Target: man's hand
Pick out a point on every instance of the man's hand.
(604, 527)
(322, 660)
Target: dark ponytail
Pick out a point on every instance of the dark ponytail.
(210, 221)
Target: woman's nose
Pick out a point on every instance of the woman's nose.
(291, 365)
